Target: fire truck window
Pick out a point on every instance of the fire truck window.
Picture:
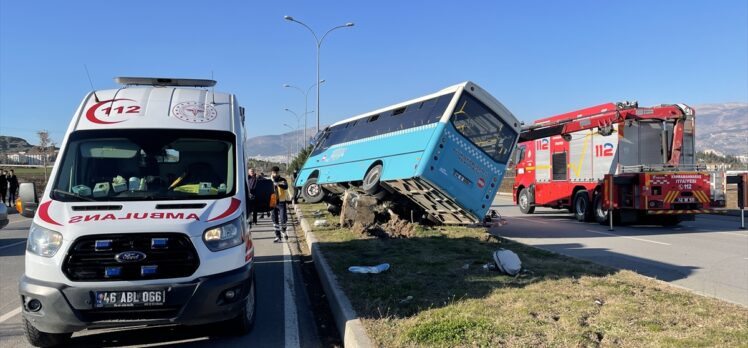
(559, 166)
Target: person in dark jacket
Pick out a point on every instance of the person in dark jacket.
(252, 179)
(279, 214)
(12, 187)
(3, 185)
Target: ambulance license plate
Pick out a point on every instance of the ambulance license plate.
(137, 298)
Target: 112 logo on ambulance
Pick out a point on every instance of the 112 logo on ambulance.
(112, 111)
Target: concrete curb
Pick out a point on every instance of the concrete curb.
(346, 319)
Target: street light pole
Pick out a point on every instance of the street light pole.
(298, 124)
(288, 150)
(306, 104)
(319, 46)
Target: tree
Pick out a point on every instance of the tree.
(299, 160)
(44, 142)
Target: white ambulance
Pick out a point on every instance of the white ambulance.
(143, 220)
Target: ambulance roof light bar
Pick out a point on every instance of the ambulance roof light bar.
(161, 82)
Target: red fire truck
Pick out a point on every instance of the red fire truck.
(645, 155)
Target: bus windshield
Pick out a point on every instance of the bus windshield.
(120, 165)
(484, 128)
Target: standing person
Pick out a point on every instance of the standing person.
(3, 184)
(279, 215)
(12, 187)
(252, 179)
(262, 176)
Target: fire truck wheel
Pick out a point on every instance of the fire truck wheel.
(312, 192)
(601, 215)
(581, 206)
(524, 202)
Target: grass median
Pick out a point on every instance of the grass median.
(437, 293)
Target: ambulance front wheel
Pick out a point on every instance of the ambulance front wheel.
(524, 202)
(312, 192)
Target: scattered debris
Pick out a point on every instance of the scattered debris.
(507, 261)
(317, 213)
(599, 302)
(399, 228)
(466, 266)
(493, 219)
(369, 269)
(358, 208)
(320, 223)
(489, 266)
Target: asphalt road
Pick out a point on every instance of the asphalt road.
(708, 256)
(284, 318)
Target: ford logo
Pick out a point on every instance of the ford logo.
(130, 256)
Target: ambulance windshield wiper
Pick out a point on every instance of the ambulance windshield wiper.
(75, 195)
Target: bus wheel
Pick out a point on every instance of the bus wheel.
(524, 202)
(312, 192)
(371, 180)
(582, 207)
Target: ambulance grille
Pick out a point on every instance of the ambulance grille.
(94, 258)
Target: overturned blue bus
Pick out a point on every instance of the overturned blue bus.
(446, 152)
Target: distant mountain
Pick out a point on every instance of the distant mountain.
(13, 144)
(275, 147)
(722, 128)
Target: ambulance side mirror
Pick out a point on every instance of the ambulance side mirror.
(28, 199)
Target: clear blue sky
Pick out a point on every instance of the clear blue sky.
(538, 57)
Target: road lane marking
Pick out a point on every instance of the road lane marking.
(735, 234)
(531, 220)
(12, 245)
(10, 314)
(634, 238)
(291, 327)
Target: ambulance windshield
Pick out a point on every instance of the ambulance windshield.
(150, 164)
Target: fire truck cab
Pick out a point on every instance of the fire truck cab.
(645, 155)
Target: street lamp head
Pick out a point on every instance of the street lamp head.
(288, 18)
(349, 24)
(286, 85)
(322, 81)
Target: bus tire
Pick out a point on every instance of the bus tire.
(524, 202)
(581, 206)
(371, 180)
(312, 192)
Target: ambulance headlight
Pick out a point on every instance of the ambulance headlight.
(43, 242)
(225, 236)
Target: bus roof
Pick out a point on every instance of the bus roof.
(450, 89)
